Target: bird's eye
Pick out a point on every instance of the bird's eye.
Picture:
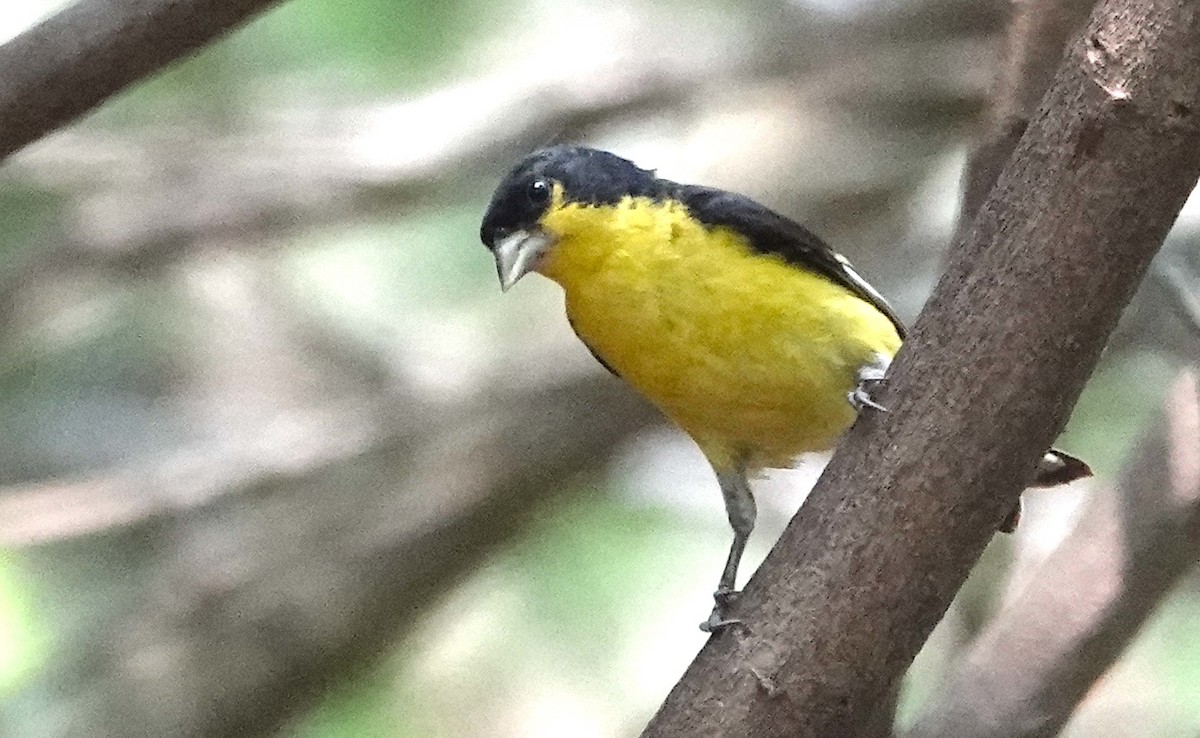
(539, 193)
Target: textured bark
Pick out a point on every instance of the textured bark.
(1029, 669)
(69, 64)
(843, 603)
(1034, 45)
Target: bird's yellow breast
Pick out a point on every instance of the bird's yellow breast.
(751, 356)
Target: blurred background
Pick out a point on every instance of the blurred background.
(277, 456)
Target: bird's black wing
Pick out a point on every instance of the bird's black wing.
(771, 233)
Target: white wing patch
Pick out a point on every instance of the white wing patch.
(857, 279)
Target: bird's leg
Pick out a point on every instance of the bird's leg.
(739, 505)
(868, 376)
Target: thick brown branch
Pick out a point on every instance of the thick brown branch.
(69, 64)
(839, 609)
(1034, 663)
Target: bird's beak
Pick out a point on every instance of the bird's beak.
(518, 254)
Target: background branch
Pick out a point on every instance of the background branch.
(268, 178)
(840, 607)
(1033, 664)
(73, 61)
(334, 436)
(425, 503)
(1034, 43)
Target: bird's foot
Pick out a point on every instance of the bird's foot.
(870, 377)
(718, 619)
(860, 397)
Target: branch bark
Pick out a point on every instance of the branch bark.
(837, 612)
(1034, 663)
(1034, 44)
(73, 61)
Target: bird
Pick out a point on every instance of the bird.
(739, 324)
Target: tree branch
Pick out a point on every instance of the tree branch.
(1036, 37)
(1033, 664)
(837, 612)
(1029, 669)
(195, 478)
(73, 61)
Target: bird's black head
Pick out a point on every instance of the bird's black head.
(547, 179)
(588, 176)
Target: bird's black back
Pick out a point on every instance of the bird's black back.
(770, 233)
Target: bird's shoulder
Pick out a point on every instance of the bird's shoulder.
(768, 232)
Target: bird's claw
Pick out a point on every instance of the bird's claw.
(860, 397)
(870, 376)
(716, 624)
(718, 620)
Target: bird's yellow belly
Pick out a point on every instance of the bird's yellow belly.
(756, 367)
(749, 355)
(747, 387)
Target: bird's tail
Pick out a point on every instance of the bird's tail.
(1058, 468)
(1055, 468)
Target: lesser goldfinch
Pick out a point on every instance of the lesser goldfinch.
(739, 324)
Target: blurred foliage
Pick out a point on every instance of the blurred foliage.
(391, 270)
(348, 50)
(22, 641)
(1120, 399)
(25, 212)
(555, 621)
